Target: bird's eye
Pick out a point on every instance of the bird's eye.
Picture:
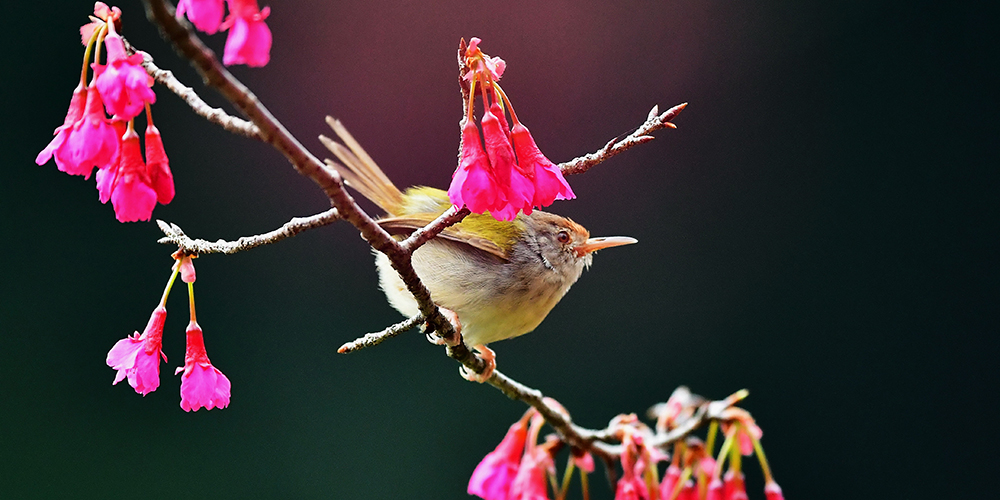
(563, 237)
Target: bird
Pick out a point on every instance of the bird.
(494, 280)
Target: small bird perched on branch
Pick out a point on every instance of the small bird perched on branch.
(493, 279)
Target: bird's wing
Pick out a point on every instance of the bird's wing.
(410, 223)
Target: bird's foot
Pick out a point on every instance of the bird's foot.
(489, 357)
(453, 340)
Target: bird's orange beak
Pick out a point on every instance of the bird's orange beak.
(595, 244)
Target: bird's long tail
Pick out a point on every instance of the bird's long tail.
(360, 171)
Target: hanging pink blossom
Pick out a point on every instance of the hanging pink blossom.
(549, 183)
(76, 106)
(530, 482)
(249, 40)
(91, 142)
(733, 487)
(158, 166)
(123, 84)
(772, 491)
(493, 476)
(519, 190)
(206, 15)
(473, 183)
(138, 356)
(715, 490)
(106, 177)
(131, 195)
(202, 385)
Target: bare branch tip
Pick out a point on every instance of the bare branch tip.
(653, 112)
(164, 227)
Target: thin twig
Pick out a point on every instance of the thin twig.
(641, 135)
(200, 107)
(449, 218)
(176, 236)
(372, 339)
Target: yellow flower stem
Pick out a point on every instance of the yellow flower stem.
(685, 475)
(726, 445)
(584, 485)
(472, 98)
(97, 46)
(760, 456)
(194, 318)
(170, 284)
(86, 57)
(486, 101)
(713, 429)
(566, 477)
(149, 116)
(510, 107)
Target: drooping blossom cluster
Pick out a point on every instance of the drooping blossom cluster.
(518, 468)
(89, 139)
(137, 357)
(504, 172)
(249, 39)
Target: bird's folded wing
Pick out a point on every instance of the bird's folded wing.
(406, 225)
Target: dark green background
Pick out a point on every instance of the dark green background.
(821, 229)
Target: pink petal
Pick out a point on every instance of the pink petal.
(249, 43)
(206, 15)
(473, 184)
(158, 166)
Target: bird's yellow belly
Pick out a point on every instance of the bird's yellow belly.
(491, 304)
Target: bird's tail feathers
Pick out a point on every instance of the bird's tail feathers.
(360, 171)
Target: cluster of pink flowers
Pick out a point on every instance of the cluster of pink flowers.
(249, 40)
(510, 174)
(137, 357)
(518, 468)
(89, 139)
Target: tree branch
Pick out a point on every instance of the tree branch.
(175, 235)
(654, 122)
(373, 339)
(449, 218)
(187, 94)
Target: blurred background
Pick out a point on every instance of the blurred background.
(820, 229)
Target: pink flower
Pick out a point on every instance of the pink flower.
(473, 184)
(493, 476)
(631, 487)
(107, 177)
(91, 142)
(772, 491)
(733, 487)
(206, 15)
(73, 114)
(494, 65)
(669, 481)
(585, 462)
(530, 483)
(185, 264)
(519, 189)
(201, 384)
(549, 183)
(158, 166)
(123, 84)
(689, 491)
(138, 356)
(249, 40)
(715, 490)
(131, 194)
